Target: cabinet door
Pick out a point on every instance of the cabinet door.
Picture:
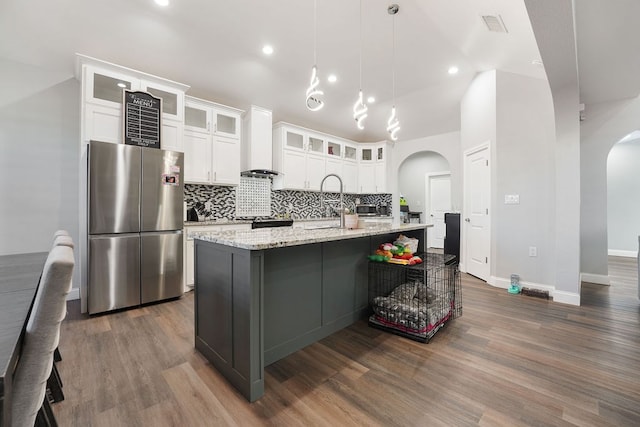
(226, 124)
(294, 174)
(367, 178)
(105, 87)
(197, 158)
(226, 161)
(350, 153)
(315, 172)
(172, 99)
(197, 118)
(350, 177)
(334, 165)
(294, 140)
(103, 123)
(172, 132)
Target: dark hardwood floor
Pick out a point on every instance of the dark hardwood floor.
(509, 360)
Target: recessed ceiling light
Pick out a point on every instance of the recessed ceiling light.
(371, 100)
(162, 2)
(122, 85)
(332, 78)
(267, 49)
(453, 70)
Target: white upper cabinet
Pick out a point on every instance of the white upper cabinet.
(372, 176)
(304, 157)
(299, 158)
(211, 143)
(103, 86)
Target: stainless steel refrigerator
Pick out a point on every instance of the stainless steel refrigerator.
(135, 225)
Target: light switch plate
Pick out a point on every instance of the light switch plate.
(511, 199)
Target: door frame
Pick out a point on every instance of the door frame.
(427, 199)
(465, 190)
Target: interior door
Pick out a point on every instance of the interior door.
(439, 203)
(476, 212)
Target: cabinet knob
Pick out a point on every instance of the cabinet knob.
(467, 220)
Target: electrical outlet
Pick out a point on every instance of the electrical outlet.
(511, 199)
(533, 251)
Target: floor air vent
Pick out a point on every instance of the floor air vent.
(535, 293)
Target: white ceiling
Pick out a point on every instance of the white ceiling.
(215, 48)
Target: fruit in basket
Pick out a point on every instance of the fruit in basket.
(415, 260)
(404, 256)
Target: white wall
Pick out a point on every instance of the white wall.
(478, 112)
(605, 124)
(514, 114)
(411, 177)
(623, 203)
(39, 134)
(524, 165)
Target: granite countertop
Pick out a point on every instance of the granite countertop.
(217, 222)
(268, 238)
(249, 221)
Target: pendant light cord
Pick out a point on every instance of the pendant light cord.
(393, 59)
(315, 33)
(360, 75)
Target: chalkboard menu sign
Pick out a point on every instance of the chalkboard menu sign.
(142, 119)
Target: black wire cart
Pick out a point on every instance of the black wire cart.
(415, 301)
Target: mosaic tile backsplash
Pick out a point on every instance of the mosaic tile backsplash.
(218, 202)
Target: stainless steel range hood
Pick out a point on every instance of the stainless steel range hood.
(259, 173)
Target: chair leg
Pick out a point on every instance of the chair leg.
(45, 417)
(57, 357)
(54, 385)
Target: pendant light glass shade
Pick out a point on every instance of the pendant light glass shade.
(393, 125)
(312, 101)
(360, 108)
(360, 111)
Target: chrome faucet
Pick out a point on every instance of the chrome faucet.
(341, 200)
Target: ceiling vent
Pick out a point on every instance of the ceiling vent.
(494, 23)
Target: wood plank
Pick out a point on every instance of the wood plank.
(510, 360)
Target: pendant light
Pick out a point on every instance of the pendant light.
(312, 100)
(393, 125)
(360, 108)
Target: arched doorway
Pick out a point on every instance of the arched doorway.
(424, 180)
(623, 205)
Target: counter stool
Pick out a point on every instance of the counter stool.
(41, 339)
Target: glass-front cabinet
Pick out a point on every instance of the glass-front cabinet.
(212, 143)
(209, 117)
(197, 118)
(103, 86)
(304, 157)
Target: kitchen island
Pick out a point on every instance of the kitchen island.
(263, 294)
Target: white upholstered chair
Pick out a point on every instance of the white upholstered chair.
(41, 337)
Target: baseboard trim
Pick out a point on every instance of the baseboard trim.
(598, 279)
(619, 252)
(557, 296)
(73, 294)
(563, 297)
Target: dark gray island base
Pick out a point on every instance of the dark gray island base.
(257, 303)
